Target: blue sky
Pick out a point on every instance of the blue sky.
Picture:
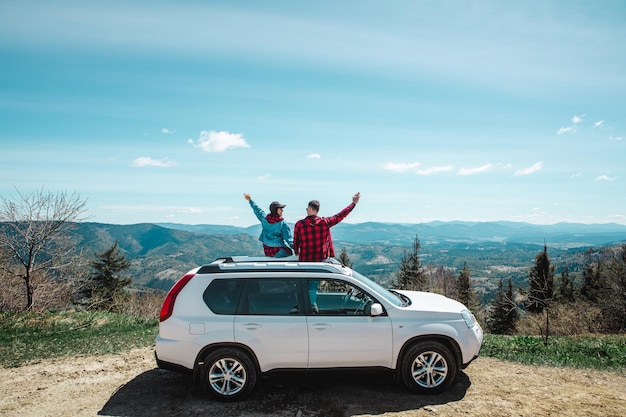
(163, 111)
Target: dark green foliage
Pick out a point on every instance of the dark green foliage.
(344, 258)
(617, 282)
(594, 277)
(541, 280)
(503, 315)
(566, 287)
(410, 275)
(106, 286)
(465, 292)
(604, 284)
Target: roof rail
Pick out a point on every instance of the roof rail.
(240, 259)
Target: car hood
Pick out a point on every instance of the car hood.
(428, 301)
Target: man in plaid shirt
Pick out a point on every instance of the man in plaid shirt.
(312, 240)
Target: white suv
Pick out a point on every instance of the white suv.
(233, 319)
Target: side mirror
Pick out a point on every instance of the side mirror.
(376, 309)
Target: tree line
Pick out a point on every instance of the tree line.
(549, 303)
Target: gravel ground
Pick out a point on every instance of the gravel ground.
(129, 384)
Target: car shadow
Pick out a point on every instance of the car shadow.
(329, 394)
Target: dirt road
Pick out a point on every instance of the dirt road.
(129, 384)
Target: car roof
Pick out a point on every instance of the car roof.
(268, 264)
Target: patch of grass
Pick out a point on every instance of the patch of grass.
(27, 337)
(602, 352)
(32, 337)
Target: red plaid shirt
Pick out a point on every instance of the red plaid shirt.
(312, 240)
(271, 251)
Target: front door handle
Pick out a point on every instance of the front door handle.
(321, 326)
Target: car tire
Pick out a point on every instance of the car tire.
(228, 375)
(428, 367)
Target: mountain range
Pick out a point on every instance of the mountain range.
(162, 253)
(562, 235)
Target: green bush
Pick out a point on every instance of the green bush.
(603, 352)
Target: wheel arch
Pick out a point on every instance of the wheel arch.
(207, 350)
(447, 341)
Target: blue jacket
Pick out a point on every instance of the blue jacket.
(275, 232)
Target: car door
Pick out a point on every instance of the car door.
(341, 331)
(271, 321)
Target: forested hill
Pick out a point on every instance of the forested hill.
(160, 254)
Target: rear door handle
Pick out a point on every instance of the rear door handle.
(321, 326)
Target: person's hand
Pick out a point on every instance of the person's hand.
(356, 197)
(247, 196)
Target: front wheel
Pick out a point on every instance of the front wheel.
(428, 368)
(228, 375)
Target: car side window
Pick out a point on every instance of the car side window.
(271, 296)
(335, 297)
(222, 295)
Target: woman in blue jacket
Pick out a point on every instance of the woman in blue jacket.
(275, 234)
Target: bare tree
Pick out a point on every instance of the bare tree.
(34, 236)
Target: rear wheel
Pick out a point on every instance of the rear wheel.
(228, 375)
(428, 368)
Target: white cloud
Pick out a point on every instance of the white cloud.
(219, 141)
(569, 129)
(435, 170)
(401, 166)
(604, 178)
(576, 175)
(146, 161)
(577, 119)
(477, 170)
(599, 123)
(189, 210)
(263, 177)
(314, 156)
(166, 131)
(615, 138)
(530, 170)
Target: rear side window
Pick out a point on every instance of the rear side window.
(271, 296)
(222, 295)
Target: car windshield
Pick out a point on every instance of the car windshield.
(382, 291)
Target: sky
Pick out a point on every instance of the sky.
(168, 111)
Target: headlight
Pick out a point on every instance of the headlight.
(469, 318)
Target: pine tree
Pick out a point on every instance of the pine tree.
(344, 258)
(594, 279)
(541, 277)
(566, 287)
(106, 284)
(410, 275)
(613, 302)
(466, 294)
(503, 317)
